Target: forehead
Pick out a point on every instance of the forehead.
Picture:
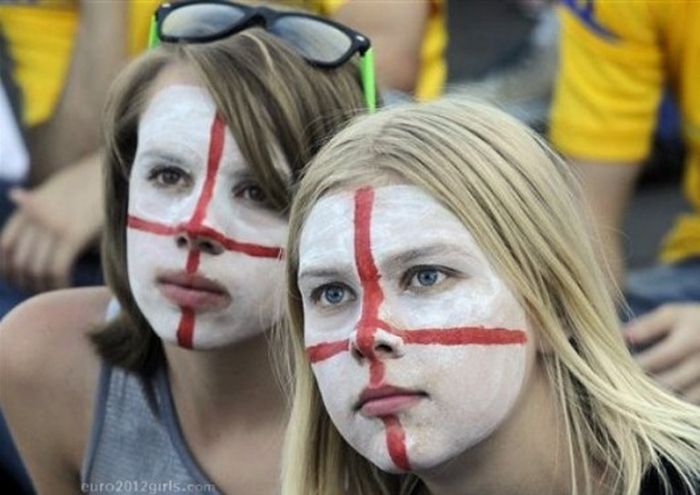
(400, 217)
(178, 107)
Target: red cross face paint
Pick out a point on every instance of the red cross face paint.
(419, 349)
(203, 248)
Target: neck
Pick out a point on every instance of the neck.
(527, 455)
(233, 386)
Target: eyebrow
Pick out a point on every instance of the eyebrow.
(243, 175)
(324, 272)
(162, 155)
(411, 255)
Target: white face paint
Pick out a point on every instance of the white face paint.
(202, 244)
(437, 323)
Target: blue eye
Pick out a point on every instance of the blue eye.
(421, 277)
(332, 295)
(427, 278)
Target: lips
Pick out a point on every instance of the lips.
(193, 291)
(387, 400)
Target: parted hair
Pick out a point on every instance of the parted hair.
(522, 205)
(274, 103)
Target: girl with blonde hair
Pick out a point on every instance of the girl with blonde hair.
(452, 330)
(205, 136)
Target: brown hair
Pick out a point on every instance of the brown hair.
(272, 100)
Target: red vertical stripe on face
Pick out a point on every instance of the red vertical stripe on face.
(372, 295)
(216, 148)
(193, 261)
(185, 329)
(396, 442)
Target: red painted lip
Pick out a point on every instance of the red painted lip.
(387, 400)
(193, 291)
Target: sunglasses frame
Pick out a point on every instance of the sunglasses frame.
(264, 16)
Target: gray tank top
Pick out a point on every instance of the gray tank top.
(136, 444)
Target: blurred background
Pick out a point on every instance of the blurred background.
(502, 50)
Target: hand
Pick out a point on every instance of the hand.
(674, 357)
(52, 225)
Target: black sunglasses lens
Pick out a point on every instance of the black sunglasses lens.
(314, 40)
(200, 21)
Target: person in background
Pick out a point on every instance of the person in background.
(616, 59)
(64, 55)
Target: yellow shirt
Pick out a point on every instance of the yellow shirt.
(616, 59)
(40, 41)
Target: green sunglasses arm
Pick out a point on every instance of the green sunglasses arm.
(368, 80)
(153, 40)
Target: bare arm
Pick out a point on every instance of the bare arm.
(673, 330)
(48, 374)
(52, 225)
(396, 29)
(607, 188)
(59, 219)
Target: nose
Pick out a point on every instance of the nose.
(197, 239)
(375, 344)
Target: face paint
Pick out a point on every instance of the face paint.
(418, 347)
(203, 248)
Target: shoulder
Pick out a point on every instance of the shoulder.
(49, 373)
(51, 328)
(44, 341)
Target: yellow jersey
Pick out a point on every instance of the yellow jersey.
(40, 40)
(616, 59)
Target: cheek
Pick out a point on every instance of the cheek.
(256, 284)
(339, 382)
(474, 389)
(149, 203)
(146, 252)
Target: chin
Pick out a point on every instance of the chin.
(425, 462)
(223, 341)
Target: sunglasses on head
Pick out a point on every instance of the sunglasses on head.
(321, 42)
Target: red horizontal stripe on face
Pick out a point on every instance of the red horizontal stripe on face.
(462, 336)
(428, 336)
(255, 250)
(325, 350)
(156, 228)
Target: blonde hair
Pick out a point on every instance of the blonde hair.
(519, 201)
